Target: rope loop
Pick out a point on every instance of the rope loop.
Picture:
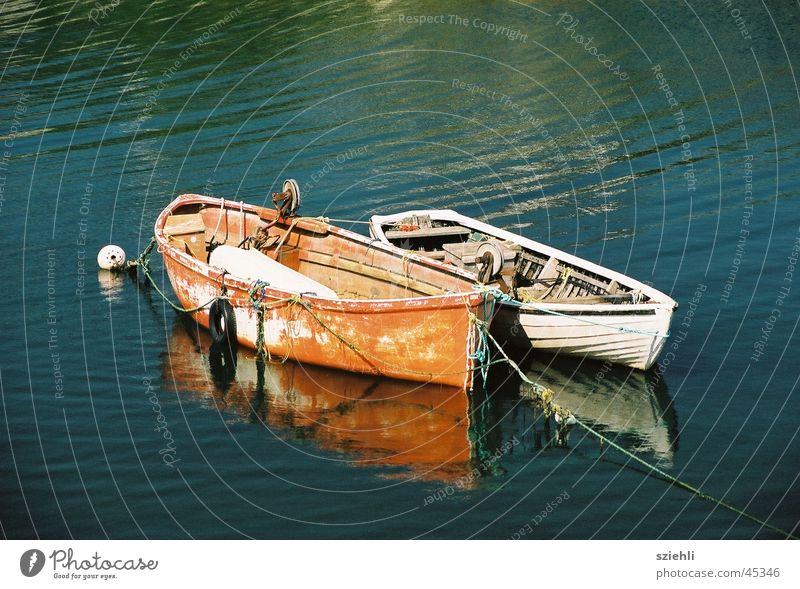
(257, 293)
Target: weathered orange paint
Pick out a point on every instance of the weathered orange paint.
(400, 333)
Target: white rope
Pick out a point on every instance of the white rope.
(329, 219)
(620, 328)
(241, 221)
(219, 218)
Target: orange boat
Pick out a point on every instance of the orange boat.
(369, 421)
(300, 288)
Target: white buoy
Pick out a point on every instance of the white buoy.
(111, 257)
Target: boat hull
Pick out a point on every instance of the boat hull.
(631, 337)
(423, 339)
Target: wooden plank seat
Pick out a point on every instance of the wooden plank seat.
(427, 232)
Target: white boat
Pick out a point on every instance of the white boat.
(559, 302)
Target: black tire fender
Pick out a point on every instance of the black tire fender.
(222, 322)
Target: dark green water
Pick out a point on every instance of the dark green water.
(107, 115)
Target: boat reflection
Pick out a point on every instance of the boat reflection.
(630, 406)
(429, 430)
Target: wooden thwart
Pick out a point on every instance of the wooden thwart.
(188, 230)
(371, 271)
(427, 232)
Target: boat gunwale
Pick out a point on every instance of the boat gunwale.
(610, 309)
(472, 298)
(659, 299)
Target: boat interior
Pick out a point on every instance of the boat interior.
(527, 274)
(350, 267)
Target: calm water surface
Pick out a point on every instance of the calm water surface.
(656, 139)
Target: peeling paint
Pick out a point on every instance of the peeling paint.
(424, 338)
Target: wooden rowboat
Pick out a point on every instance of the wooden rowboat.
(374, 309)
(561, 303)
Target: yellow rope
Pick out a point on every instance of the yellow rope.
(566, 274)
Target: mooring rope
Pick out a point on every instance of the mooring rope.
(620, 328)
(482, 353)
(542, 392)
(499, 295)
(143, 262)
(259, 287)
